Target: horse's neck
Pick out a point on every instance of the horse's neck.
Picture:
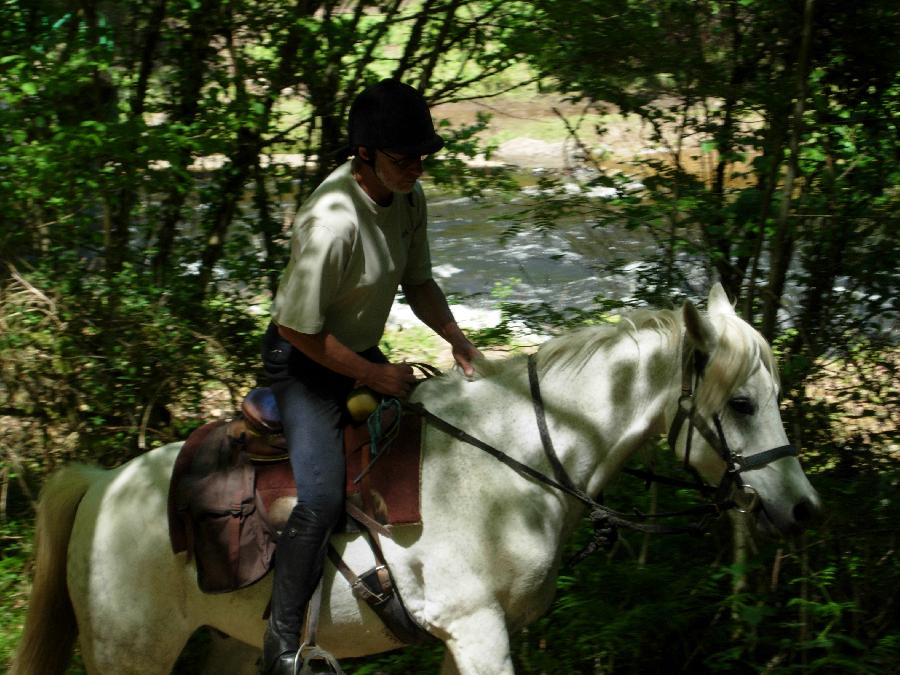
(597, 415)
(602, 413)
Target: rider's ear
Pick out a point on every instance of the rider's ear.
(366, 155)
(699, 329)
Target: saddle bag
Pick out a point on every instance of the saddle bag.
(222, 517)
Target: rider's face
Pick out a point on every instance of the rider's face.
(397, 172)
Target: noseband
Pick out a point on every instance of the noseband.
(732, 488)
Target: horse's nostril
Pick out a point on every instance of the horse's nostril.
(805, 512)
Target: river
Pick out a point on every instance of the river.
(565, 267)
(479, 264)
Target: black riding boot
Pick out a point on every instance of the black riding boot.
(299, 557)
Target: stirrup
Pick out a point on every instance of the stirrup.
(296, 664)
(312, 660)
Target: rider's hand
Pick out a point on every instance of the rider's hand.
(464, 353)
(391, 379)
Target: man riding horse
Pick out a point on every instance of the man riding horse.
(359, 235)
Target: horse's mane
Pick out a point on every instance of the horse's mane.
(574, 350)
(739, 350)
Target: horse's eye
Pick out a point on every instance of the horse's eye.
(742, 406)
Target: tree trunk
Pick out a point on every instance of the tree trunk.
(720, 238)
(197, 53)
(414, 41)
(249, 144)
(767, 184)
(781, 250)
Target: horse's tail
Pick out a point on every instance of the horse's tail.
(50, 627)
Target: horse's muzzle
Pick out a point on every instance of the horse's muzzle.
(792, 521)
(807, 512)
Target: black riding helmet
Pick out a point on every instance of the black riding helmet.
(393, 116)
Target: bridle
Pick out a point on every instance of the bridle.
(733, 490)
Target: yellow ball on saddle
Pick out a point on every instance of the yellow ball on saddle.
(361, 402)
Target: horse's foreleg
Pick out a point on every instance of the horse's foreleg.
(478, 645)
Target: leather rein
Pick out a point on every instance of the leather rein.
(604, 518)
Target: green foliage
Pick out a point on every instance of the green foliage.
(134, 259)
(412, 344)
(420, 659)
(811, 604)
(136, 270)
(451, 172)
(108, 365)
(714, 83)
(15, 552)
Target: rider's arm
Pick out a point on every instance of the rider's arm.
(324, 348)
(428, 303)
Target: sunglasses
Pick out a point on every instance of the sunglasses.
(403, 163)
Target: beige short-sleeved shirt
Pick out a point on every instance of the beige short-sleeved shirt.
(348, 256)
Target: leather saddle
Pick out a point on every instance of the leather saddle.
(232, 490)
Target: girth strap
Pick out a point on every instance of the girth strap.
(376, 588)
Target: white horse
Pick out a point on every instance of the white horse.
(484, 561)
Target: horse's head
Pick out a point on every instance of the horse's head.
(729, 425)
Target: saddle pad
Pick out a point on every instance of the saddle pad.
(389, 490)
(390, 487)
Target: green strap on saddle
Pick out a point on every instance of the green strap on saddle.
(380, 436)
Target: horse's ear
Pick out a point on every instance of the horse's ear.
(718, 302)
(699, 329)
